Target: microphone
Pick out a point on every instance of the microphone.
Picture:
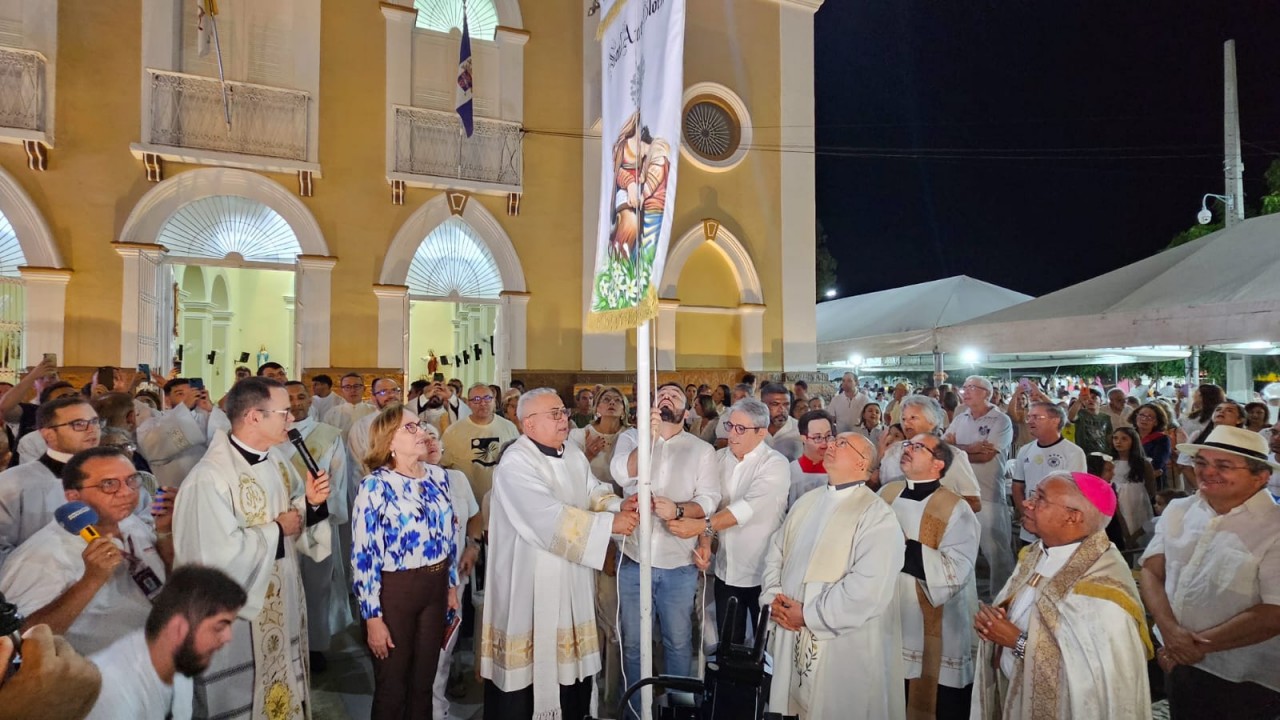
(295, 437)
(77, 518)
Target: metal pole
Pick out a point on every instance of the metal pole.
(645, 530)
(222, 78)
(938, 356)
(1232, 165)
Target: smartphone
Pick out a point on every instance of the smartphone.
(145, 369)
(438, 377)
(1024, 385)
(197, 383)
(51, 358)
(107, 376)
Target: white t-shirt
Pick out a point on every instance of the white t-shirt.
(1035, 462)
(993, 427)
(132, 689)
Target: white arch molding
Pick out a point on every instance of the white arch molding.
(141, 253)
(750, 308)
(511, 335)
(44, 277)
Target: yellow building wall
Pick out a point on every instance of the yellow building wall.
(93, 182)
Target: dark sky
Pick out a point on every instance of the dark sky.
(1124, 98)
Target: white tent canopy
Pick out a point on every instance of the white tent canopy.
(1218, 290)
(902, 321)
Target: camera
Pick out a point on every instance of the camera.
(1204, 216)
(736, 684)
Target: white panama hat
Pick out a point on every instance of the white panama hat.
(1234, 440)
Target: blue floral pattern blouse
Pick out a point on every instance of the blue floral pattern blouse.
(399, 523)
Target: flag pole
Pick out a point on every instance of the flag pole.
(222, 77)
(645, 499)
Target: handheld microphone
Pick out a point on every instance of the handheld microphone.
(295, 437)
(78, 519)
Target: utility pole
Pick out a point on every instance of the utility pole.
(1232, 165)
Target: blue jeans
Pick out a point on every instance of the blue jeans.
(673, 592)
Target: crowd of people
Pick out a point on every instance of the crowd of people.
(231, 540)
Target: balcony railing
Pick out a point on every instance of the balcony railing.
(187, 111)
(22, 89)
(431, 143)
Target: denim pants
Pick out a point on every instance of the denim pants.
(673, 592)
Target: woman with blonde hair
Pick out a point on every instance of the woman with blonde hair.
(403, 530)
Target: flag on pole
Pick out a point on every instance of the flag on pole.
(462, 95)
(205, 10)
(642, 56)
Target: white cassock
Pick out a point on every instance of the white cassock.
(174, 441)
(960, 478)
(550, 521)
(322, 405)
(325, 581)
(29, 493)
(344, 415)
(225, 518)
(465, 507)
(31, 447)
(840, 552)
(358, 441)
(1087, 641)
(948, 584)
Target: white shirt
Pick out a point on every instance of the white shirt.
(755, 491)
(51, 561)
(322, 405)
(787, 440)
(802, 482)
(1035, 462)
(132, 689)
(1051, 562)
(1217, 566)
(993, 427)
(682, 469)
(847, 410)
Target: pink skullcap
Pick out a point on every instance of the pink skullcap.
(1097, 491)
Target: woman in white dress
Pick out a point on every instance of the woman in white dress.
(1135, 482)
(598, 439)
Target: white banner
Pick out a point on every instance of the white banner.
(642, 55)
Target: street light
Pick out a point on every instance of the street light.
(969, 356)
(1204, 217)
(830, 293)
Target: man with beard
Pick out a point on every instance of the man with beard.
(784, 431)
(146, 675)
(432, 407)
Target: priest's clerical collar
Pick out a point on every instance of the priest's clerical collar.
(846, 486)
(250, 455)
(920, 489)
(59, 456)
(547, 449)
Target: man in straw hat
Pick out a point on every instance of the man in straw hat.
(1067, 636)
(1211, 580)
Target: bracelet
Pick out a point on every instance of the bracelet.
(1020, 647)
(709, 531)
(679, 511)
(163, 535)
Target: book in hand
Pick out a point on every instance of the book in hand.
(452, 621)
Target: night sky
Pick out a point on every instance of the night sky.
(1123, 98)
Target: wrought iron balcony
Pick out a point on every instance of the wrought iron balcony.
(430, 143)
(187, 112)
(22, 91)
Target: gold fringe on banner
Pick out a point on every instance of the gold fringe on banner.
(624, 319)
(614, 11)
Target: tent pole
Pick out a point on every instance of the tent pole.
(938, 356)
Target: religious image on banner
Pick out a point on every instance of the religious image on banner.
(642, 51)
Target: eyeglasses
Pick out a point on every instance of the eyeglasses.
(913, 445)
(111, 486)
(284, 412)
(556, 413)
(846, 445)
(739, 429)
(415, 428)
(352, 387)
(1038, 417)
(481, 399)
(81, 425)
(1037, 498)
(820, 439)
(1219, 466)
(388, 391)
(971, 388)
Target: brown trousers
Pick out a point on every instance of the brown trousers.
(414, 604)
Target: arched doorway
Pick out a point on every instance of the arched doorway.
(33, 282)
(452, 279)
(269, 251)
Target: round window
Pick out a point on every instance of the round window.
(711, 129)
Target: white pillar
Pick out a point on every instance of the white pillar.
(511, 42)
(137, 259)
(667, 311)
(393, 326)
(515, 333)
(314, 290)
(44, 308)
(400, 19)
(799, 225)
(751, 328)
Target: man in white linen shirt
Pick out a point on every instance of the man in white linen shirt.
(550, 523)
(754, 480)
(831, 579)
(985, 435)
(1050, 453)
(686, 490)
(146, 675)
(1211, 581)
(846, 406)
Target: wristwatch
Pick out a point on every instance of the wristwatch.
(679, 511)
(709, 531)
(1020, 647)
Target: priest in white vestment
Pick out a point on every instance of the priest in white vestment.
(831, 584)
(550, 523)
(385, 391)
(1067, 637)
(324, 581)
(937, 594)
(174, 441)
(244, 511)
(31, 492)
(922, 415)
(344, 414)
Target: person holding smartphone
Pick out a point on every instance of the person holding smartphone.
(174, 440)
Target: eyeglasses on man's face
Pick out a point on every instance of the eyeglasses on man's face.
(1038, 498)
(344, 386)
(555, 413)
(81, 424)
(736, 429)
(111, 486)
(269, 411)
(842, 444)
(1219, 466)
(821, 439)
(387, 391)
(480, 399)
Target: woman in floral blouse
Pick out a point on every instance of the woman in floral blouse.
(403, 536)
